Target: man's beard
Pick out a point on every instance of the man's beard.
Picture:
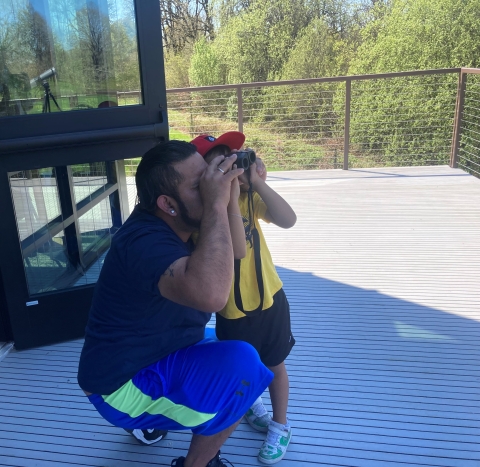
(185, 216)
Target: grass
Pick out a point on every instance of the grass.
(78, 102)
(177, 134)
(279, 150)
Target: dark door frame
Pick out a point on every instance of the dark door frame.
(61, 139)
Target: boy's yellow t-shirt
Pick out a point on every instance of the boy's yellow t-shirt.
(248, 279)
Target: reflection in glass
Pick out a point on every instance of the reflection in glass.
(35, 197)
(96, 230)
(95, 226)
(79, 53)
(37, 210)
(130, 171)
(47, 265)
(60, 251)
(88, 178)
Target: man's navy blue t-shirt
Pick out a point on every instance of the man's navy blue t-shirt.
(131, 325)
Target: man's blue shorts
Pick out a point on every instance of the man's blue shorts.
(206, 387)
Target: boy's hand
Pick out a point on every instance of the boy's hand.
(255, 178)
(261, 169)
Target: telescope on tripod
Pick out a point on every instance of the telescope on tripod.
(47, 93)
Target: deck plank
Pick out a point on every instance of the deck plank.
(382, 273)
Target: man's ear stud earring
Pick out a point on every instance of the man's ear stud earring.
(172, 211)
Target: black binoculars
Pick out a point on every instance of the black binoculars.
(245, 159)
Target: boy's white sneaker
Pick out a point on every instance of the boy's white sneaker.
(258, 417)
(274, 448)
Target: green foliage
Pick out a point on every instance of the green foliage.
(400, 121)
(255, 44)
(205, 66)
(176, 65)
(125, 58)
(316, 53)
(393, 121)
(421, 34)
(412, 116)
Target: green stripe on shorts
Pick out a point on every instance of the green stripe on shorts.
(130, 400)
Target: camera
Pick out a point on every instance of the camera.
(245, 159)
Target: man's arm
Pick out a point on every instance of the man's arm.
(203, 280)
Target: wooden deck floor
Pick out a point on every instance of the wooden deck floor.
(382, 271)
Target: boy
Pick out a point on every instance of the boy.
(257, 310)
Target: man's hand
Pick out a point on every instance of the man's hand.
(234, 190)
(216, 181)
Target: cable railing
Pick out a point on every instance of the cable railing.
(416, 118)
(466, 140)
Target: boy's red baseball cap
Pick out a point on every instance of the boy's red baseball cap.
(232, 139)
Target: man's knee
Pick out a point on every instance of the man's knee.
(238, 351)
(240, 356)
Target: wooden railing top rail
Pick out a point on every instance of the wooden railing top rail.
(473, 71)
(398, 74)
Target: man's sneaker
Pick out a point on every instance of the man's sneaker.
(217, 461)
(258, 417)
(178, 462)
(147, 437)
(275, 446)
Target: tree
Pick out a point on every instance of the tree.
(421, 34)
(177, 67)
(125, 58)
(93, 32)
(205, 65)
(185, 21)
(254, 45)
(316, 53)
(36, 39)
(410, 119)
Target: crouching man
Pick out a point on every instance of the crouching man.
(145, 364)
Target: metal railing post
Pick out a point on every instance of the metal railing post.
(346, 139)
(240, 109)
(457, 122)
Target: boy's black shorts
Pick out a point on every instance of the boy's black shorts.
(269, 331)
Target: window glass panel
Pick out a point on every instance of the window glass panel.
(95, 227)
(68, 55)
(130, 171)
(35, 197)
(96, 230)
(88, 178)
(47, 265)
(59, 252)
